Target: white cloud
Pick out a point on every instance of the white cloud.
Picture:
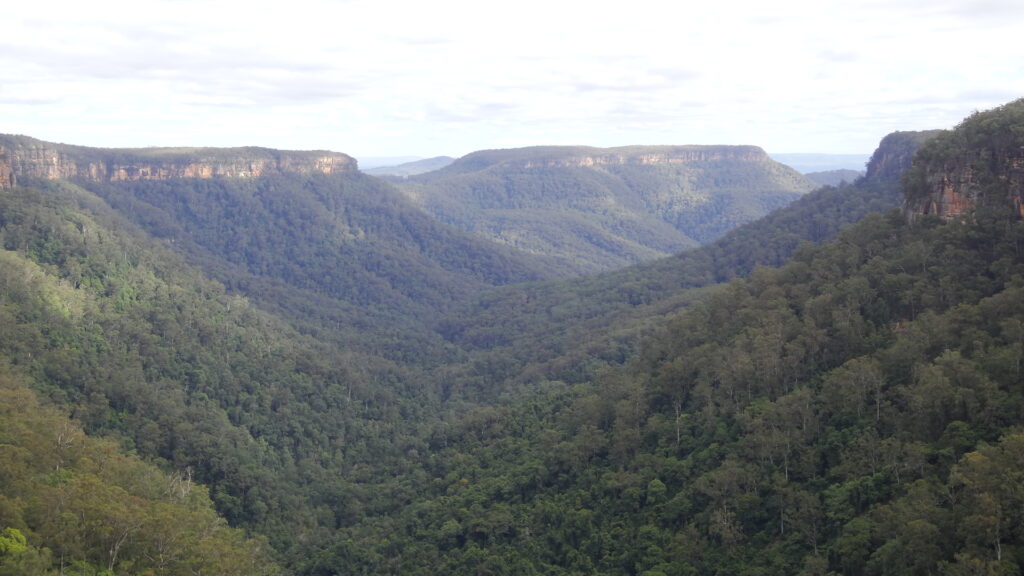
(375, 77)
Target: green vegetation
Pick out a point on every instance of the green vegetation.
(354, 385)
(71, 504)
(982, 157)
(595, 209)
(572, 329)
(344, 256)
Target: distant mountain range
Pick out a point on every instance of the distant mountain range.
(813, 162)
(371, 162)
(834, 177)
(413, 168)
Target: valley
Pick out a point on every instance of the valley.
(653, 361)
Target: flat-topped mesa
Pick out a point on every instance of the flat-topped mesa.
(584, 156)
(979, 164)
(27, 158)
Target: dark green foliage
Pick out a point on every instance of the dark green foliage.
(565, 330)
(142, 346)
(71, 504)
(350, 238)
(594, 209)
(856, 410)
(984, 150)
(820, 416)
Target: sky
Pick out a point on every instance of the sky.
(447, 77)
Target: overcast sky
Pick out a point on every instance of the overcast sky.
(426, 78)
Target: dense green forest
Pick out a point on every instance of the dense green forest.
(75, 505)
(595, 209)
(570, 329)
(341, 253)
(351, 387)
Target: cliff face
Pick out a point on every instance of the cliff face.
(27, 158)
(593, 209)
(674, 155)
(584, 157)
(895, 154)
(959, 187)
(7, 179)
(978, 164)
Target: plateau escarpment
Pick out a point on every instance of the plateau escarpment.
(600, 208)
(980, 165)
(585, 156)
(27, 158)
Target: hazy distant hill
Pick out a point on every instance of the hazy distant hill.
(411, 168)
(810, 162)
(370, 162)
(834, 177)
(600, 208)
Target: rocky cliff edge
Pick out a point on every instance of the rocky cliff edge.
(23, 158)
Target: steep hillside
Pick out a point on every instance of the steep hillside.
(568, 329)
(307, 438)
(977, 167)
(852, 412)
(303, 234)
(595, 209)
(71, 504)
(140, 346)
(856, 411)
(350, 241)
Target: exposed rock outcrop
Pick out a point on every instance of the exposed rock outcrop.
(670, 155)
(7, 179)
(27, 158)
(584, 156)
(979, 164)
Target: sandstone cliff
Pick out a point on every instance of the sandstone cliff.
(23, 158)
(979, 164)
(585, 156)
(594, 209)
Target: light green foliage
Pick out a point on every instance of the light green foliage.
(111, 514)
(12, 542)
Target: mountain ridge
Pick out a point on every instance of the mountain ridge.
(587, 156)
(23, 157)
(595, 209)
